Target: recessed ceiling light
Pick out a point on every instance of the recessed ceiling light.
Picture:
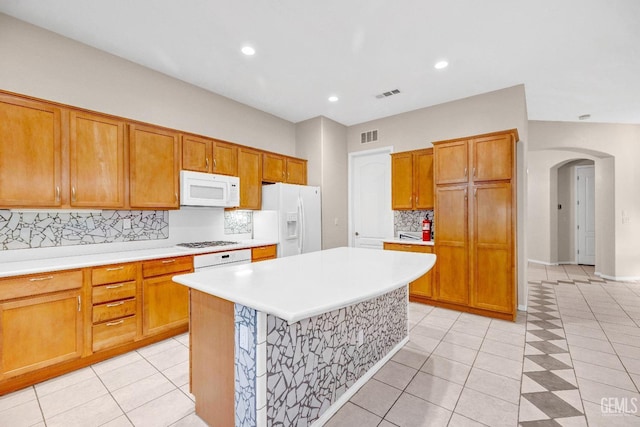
(248, 50)
(584, 117)
(333, 98)
(441, 64)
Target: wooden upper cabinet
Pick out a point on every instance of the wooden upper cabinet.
(197, 154)
(273, 167)
(296, 171)
(225, 158)
(250, 173)
(154, 168)
(412, 179)
(30, 153)
(493, 157)
(451, 162)
(423, 178)
(96, 161)
(402, 180)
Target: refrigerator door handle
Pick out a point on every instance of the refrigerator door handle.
(299, 225)
(302, 225)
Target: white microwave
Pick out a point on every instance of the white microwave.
(206, 189)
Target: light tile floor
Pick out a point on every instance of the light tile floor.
(573, 360)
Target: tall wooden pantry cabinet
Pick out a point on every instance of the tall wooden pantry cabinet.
(475, 218)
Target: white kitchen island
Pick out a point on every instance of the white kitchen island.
(288, 341)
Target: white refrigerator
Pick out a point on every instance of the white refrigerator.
(290, 215)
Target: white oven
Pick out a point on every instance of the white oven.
(207, 189)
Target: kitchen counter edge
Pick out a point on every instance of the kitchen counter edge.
(46, 265)
(409, 241)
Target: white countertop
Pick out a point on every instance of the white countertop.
(297, 287)
(18, 268)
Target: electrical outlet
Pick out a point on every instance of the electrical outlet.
(360, 337)
(126, 223)
(335, 221)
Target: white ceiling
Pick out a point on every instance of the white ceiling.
(573, 56)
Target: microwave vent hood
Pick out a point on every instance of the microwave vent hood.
(209, 190)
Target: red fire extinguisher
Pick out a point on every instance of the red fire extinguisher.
(426, 230)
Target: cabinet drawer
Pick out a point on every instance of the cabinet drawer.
(110, 334)
(114, 310)
(113, 292)
(113, 274)
(167, 266)
(263, 252)
(408, 247)
(37, 284)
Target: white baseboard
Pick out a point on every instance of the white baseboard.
(567, 262)
(357, 385)
(522, 308)
(618, 278)
(535, 261)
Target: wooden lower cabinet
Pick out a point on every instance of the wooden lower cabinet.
(40, 331)
(165, 302)
(492, 248)
(420, 289)
(452, 277)
(56, 322)
(263, 253)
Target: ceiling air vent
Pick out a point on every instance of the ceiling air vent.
(387, 94)
(369, 136)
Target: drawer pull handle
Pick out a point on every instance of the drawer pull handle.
(115, 304)
(119, 322)
(40, 279)
(115, 268)
(115, 286)
(168, 261)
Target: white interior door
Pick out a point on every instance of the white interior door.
(370, 214)
(586, 208)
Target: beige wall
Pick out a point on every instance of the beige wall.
(489, 112)
(324, 143)
(615, 150)
(42, 64)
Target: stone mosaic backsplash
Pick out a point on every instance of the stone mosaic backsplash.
(311, 363)
(238, 222)
(43, 229)
(411, 221)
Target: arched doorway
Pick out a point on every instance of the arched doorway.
(550, 240)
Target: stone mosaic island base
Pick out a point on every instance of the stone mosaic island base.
(250, 368)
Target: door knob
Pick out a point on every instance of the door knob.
(357, 234)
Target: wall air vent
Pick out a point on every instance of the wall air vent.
(387, 94)
(369, 136)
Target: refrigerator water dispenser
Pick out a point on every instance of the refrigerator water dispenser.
(292, 225)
